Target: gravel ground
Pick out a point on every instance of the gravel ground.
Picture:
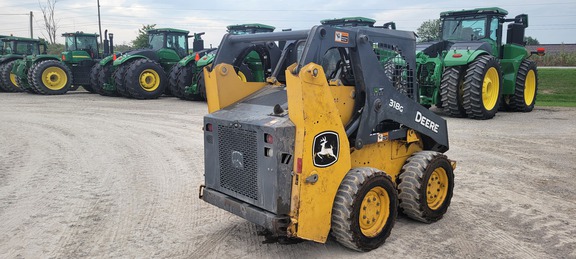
(83, 175)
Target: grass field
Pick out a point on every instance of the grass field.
(556, 87)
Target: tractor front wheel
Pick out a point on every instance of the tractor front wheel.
(425, 187)
(8, 81)
(51, 77)
(145, 79)
(482, 88)
(451, 89)
(365, 209)
(524, 96)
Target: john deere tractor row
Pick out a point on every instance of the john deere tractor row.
(13, 50)
(52, 75)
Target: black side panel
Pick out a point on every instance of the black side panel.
(515, 34)
(433, 49)
(81, 72)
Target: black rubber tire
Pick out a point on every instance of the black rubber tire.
(347, 205)
(132, 79)
(413, 186)
(119, 77)
(517, 102)
(105, 75)
(451, 89)
(26, 83)
(5, 82)
(473, 82)
(95, 86)
(202, 86)
(39, 85)
(172, 78)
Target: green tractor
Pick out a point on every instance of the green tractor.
(54, 75)
(470, 72)
(142, 73)
(14, 49)
(187, 79)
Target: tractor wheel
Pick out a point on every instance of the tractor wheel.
(51, 77)
(8, 80)
(95, 87)
(425, 186)
(202, 86)
(28, 84)
(482, 88)
(524, 95)
(145, 79)
(451, 91)
(180, 78)
(105, 76)
(119, 77)
(365, 209)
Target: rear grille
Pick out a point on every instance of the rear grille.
(241, 177)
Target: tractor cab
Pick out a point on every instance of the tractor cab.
(23, 46)
(170, 42)
(251, 28)
(80, 46)
(482, 24)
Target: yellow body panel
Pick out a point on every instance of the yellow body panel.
(224, 87)
(312, 110)
(344, 100)
(387, 156)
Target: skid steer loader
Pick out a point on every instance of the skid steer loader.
(326, 145)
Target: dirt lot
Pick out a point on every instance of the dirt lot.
(83, 175)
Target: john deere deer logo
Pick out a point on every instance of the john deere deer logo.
(326, 145)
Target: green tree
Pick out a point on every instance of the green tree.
(429, 30)
(142, 40)
(531, 41)
(55, 48)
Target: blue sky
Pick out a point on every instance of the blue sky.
(550, 22)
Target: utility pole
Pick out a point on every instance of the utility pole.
(99, 24)
(31, 29)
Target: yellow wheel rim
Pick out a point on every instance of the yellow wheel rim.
(13, 79)
(437, 188)
(54, 78)
(242, 77)
(374, 212)
(490, 88)
(530, 87)
(149, 80)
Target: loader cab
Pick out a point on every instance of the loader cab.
(80, 45)
(169, 42)
(251, 28)
(482, 24)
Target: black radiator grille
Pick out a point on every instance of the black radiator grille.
(238, 160)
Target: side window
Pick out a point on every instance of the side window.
(493, 28)
(331, 63)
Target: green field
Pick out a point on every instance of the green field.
(556, 87)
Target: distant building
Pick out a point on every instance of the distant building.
(554, 48)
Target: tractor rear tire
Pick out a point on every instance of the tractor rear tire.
(119, 77)
(27, 84)
(51, 77)
(172, 80)
(183, 77)
(146, 79)
(365, 209)
(105, 76)
(202, 86)
(482, 88)
(451, 91)
(95, 86)
(524, 96)
(425, 186)
(8, 81)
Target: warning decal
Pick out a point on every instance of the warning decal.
(341, 37)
